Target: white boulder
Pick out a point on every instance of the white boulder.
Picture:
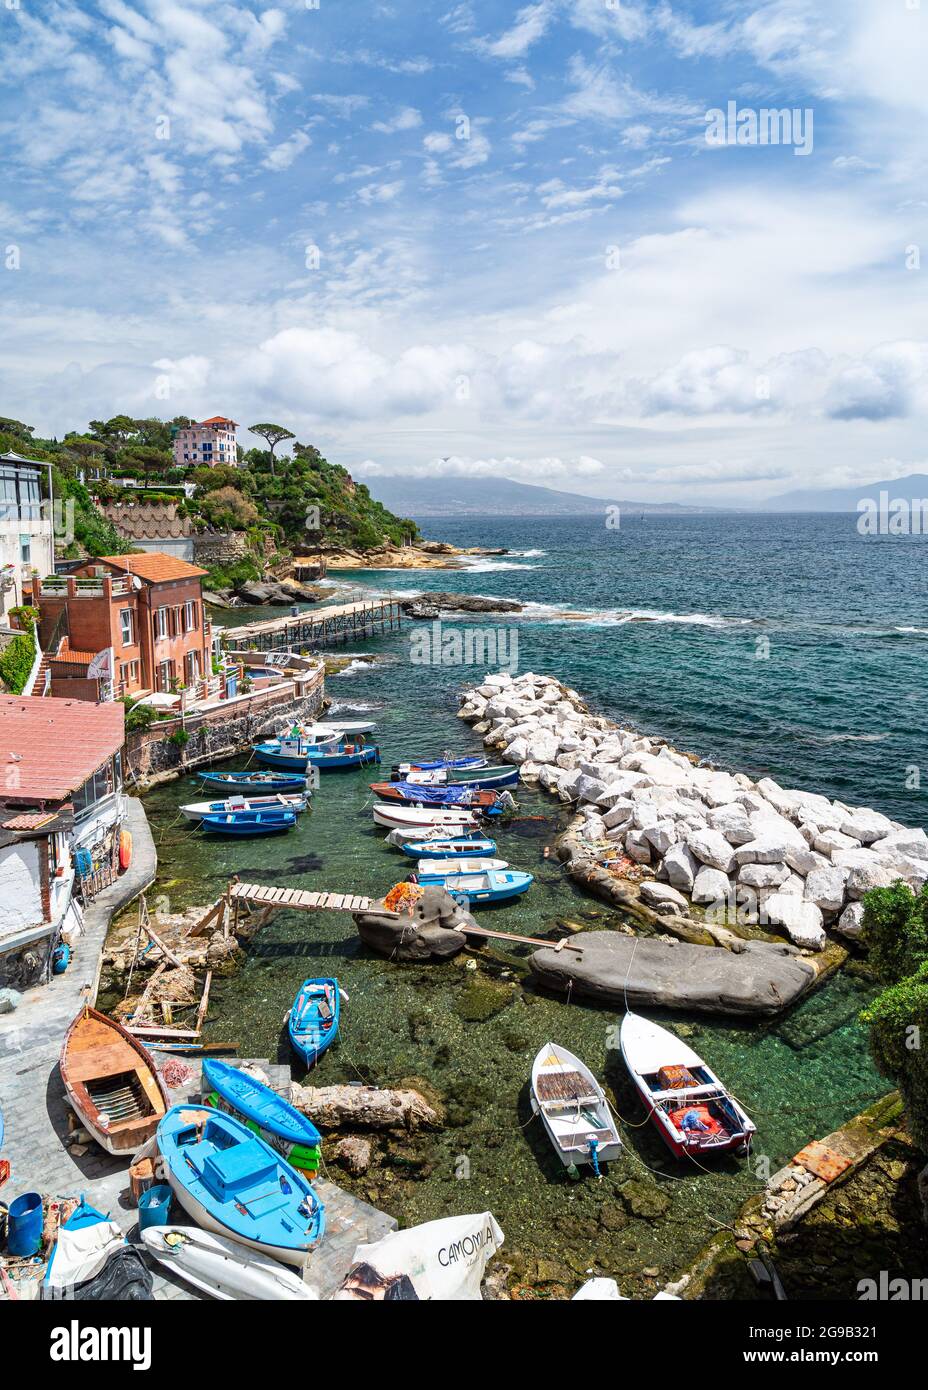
(710, 847)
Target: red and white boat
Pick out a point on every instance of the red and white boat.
(689, 1106)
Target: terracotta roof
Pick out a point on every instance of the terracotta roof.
(219, 420)
(73, 658)
(154, 566)
(29, 820)
(54, 745)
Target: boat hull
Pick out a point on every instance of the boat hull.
(261, 781)
(441, 849)
(560, 1127)
(264, 1112)
(325, 762)
(645, 1046)
(230, 825)
(110, 1076)
(221, 1267)
(395, 817)
(204, 1217)
(309, 1039)
(196, 810)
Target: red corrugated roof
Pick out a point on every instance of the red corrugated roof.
(49, 747)
(29, 820)
(74, 658)
(154, 566)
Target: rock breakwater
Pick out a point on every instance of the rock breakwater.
(747, 854)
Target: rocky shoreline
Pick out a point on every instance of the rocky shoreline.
(427, 555)
(691, 846)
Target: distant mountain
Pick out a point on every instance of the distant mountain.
(845, 499)
(448, 497)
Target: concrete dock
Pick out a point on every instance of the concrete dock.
(36, 1116)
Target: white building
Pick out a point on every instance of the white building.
(61, 810)
(27, 539)
(211, 442)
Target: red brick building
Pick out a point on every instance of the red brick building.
(147, 608)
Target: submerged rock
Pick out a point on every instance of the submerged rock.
(762, 979)
(433, 930)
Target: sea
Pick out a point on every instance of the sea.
(782, 646)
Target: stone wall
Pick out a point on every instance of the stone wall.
(219, 548)
(27, 965)
(153, 757)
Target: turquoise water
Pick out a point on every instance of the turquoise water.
(698, 683)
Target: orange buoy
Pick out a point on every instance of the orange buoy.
(125, 848)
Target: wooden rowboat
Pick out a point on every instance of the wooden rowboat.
(111, 1082)
(688, 1105)
(573, 1108)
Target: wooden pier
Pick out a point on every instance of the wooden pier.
(320, 627)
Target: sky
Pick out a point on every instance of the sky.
(478, 239)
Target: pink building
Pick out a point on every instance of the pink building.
(210, 442)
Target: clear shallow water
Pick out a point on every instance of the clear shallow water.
(698, 684)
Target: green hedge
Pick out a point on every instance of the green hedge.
(16, 662)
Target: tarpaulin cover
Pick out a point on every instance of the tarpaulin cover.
(438, 1260)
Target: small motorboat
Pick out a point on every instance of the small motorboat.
(450, 820)
(440, 847)
(111, 1082)
(313, 1021)
(264, 1112)
(481, 889)
(457, 864)
(483, 779)
(234, 1184)
(266, 822)
(688, 1104)
(413, 794)
(245, 782)
(223, 1268)
(196, 810)
(300, 755)
(573, 1109)
(440, 764)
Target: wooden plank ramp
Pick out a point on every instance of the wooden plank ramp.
(298, 899)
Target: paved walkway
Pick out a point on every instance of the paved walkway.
(36, 1116)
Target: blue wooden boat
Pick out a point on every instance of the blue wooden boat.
(313, 1020)
(234, 1184)
(473, 847)
(267, 822)
(300, 756)
(264, 1112)
(481, 889)
(415, 794)
(440, 764)
(256, 781)
(277, 801)
(481, 778)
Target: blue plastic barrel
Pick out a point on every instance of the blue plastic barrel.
(24, 1235)
(154, 1206)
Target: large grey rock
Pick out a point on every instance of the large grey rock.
(710, 847)
(831, 842)
(637, 847)
(662, 897)
(804, 861)
(711, 888)
(866, 825)
(661, 836)
(827, 888)
(764, 850)
(913, 843)
(608, 967)
(763, 875)
(851, 921)
(681, 867)
(801, 920)
(732, 822)
(861, 880)
(433, 930)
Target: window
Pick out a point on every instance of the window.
(190, 617)
(127, 626)
(161, 623)
(165, 675)
(129, 672)
(25, 549)
(106, 780)
(192, 663)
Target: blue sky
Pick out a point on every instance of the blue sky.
(477, 238)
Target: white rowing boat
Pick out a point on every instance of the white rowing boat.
(394, 817)
(573, 1108)
(222, 1267)
(688, 1104)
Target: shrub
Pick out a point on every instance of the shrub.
(16, 662)
(895, 930)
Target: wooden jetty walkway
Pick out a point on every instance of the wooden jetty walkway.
(302, 900)
(320, 627)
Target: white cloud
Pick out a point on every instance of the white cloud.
(529, 470)
(406, 119)
(283, 155)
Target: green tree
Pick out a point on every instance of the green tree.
(895, 929)
(274, 435)
(225, 507)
